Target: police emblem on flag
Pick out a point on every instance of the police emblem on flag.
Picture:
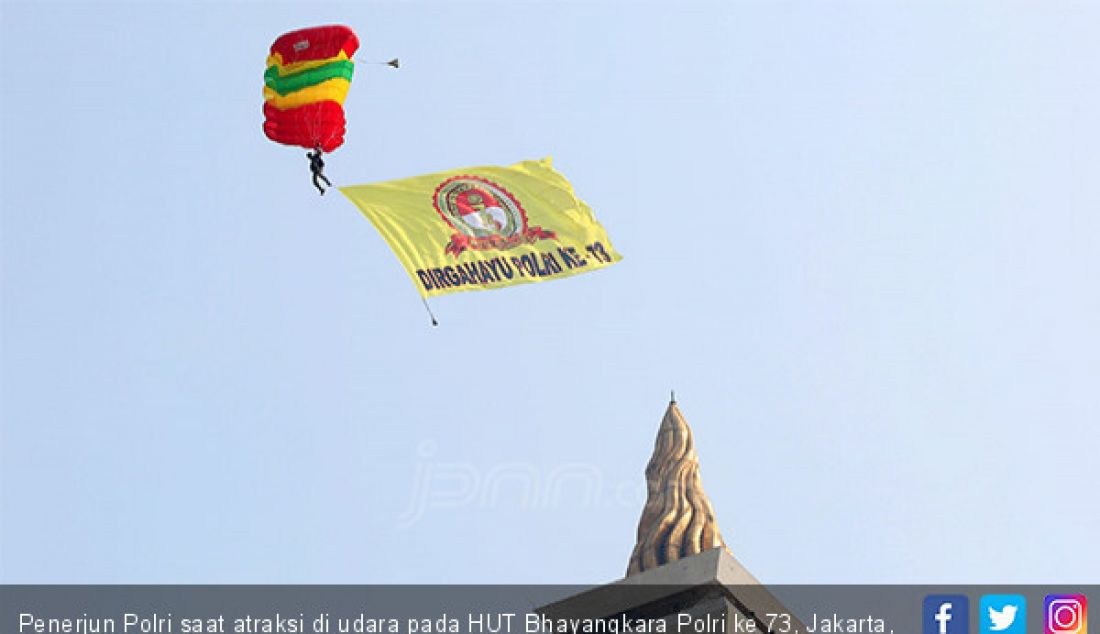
(484, 216)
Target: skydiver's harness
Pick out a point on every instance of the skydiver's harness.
(316, 164)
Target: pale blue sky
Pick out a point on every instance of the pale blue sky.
(860, 241)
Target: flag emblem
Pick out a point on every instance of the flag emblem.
(485, 216)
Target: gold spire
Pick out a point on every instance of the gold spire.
(677, 520)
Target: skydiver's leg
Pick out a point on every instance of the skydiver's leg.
(318, 185)
(324, 178)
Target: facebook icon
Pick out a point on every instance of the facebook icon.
(946, 614)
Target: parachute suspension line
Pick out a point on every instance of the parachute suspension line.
(313, 126)
(316, 132)
(332, 132)
(429, 309)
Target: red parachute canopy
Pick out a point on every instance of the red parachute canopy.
(307, 78)
(315, 43)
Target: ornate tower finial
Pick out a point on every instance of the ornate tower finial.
(677, 520)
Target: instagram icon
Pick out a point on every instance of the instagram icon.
(1066, 614)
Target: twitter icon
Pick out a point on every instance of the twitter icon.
(1003, 613)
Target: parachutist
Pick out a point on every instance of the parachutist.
(317, 166)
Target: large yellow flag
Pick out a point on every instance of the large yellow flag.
(485, 227)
